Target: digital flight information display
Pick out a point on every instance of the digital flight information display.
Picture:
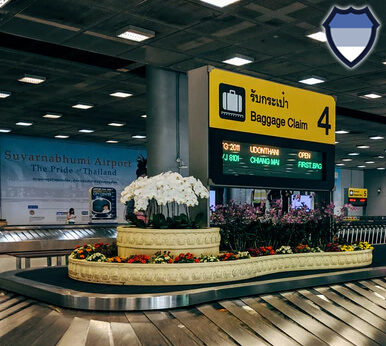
(254, 159)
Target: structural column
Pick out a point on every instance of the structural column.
(167, 121)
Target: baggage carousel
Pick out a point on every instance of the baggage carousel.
(351, 313)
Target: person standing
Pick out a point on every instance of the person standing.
(71, 216)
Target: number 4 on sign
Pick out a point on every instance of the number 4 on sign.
(324, 117)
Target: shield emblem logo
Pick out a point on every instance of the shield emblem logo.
(351, 33)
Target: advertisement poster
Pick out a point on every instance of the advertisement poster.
(42, 179)
(103, 204)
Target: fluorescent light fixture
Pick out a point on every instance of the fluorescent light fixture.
(117, 123)
(381, 168)
(239, 60)
(112, 142)
(134, 33)
(62, 136)
(318, 36)
(371, 96)
(346, 160)
(336, 142)
(339, 164)
(312, 80)
(220, 3)
(379, 157)
(342, 132)
(376, 137)
(363, 146)
(369, 162)
(4, 2)
(29, 78)
(5, 130)
(24, 123)
(384, 62)
(4, 94)
(353, 154)
(52, 115)
(144, 116)
(138, 136)
(81, 105)
(122, 94)
(361, 166)
(86, 131)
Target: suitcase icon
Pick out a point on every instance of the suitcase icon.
(232, 102)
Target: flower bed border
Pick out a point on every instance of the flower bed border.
(146, 241)
(211, 272)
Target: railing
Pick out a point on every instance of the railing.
(374, 233)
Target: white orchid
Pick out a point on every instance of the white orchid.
(164, 188)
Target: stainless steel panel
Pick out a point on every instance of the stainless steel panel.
(124, 335)
(344, 314)
(330, 321)
(370, 295)
(373, 287)
(363, 302)
(257, 323)
(77, 331)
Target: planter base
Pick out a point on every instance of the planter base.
(139, 241)
(201, 273)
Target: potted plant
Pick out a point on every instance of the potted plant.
(162, 220)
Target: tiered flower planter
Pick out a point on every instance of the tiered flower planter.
(135, 241)
(213, 272)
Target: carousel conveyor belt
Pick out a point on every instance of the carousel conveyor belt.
(56, 237)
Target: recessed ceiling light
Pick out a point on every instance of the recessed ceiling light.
(342, 132)
(379, 157)
(52, 116)
(238, 60)
(3, 3)
(353, 154)
(363, 146)
(134, 33)
(112, 142)
(336, 142)
(24, 123)
(122, 94)
(62, 136)
(384, 62)
(28, 78)
(138, 136)
(312, 80)
(144, 116)
(4, 94)
(82, 105)
(86, 131)
(220, 3)
(369, 162)
(339, 164)
(117, 123)
(5, 130)
(361, 166)
(381, 168)
(376, 137)
(347, 160)
(318, 36)
(370, 96)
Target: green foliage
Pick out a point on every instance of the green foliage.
(137, 222)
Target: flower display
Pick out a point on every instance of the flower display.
(243, 255)
(209, 258)
(284, 250)
(186, 258)
(316, 249)
(302, 248)
(96, 257)
(229, 256)
(363, 245)
(332, 247)
(138, 259)
(162, 257)
(346, 248)
(82, 252)
(164, 188)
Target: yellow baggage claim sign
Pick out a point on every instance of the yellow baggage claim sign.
(247, 104)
